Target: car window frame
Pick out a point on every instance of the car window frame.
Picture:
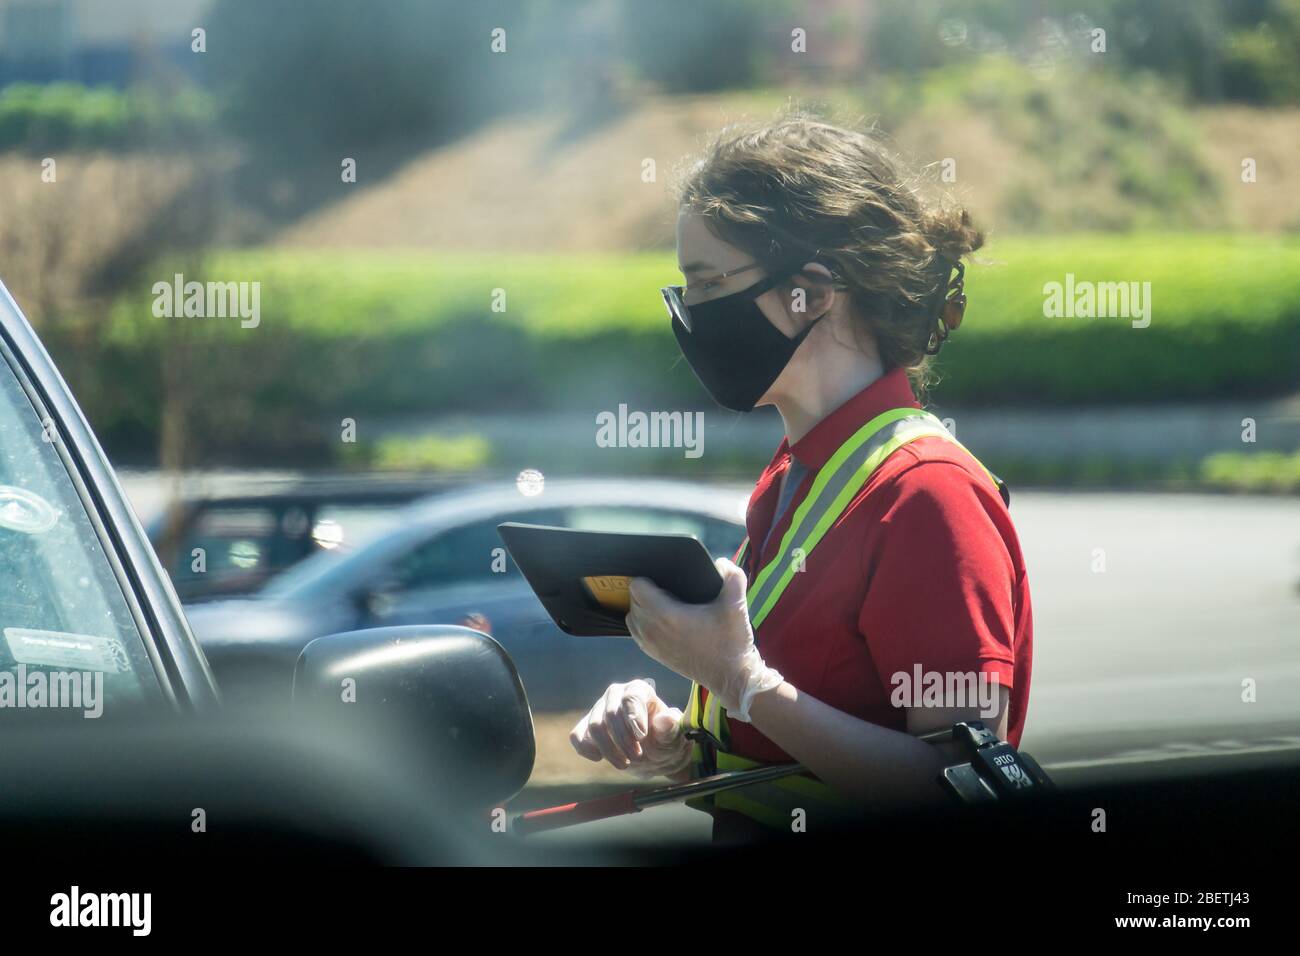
(184, 677)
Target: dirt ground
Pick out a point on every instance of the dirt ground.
(533, 184)
(558, 764)
(1269, 137)
(62, 224)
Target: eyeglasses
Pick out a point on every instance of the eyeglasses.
(675, 295)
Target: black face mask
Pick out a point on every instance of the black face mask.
(732, 348)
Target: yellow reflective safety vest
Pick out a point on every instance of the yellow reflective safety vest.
(835, 486)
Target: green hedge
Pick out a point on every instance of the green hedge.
(1225, 323)
(71, 116)
(1261, 471)
(382, 335)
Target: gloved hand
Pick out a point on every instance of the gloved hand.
(712, 644)
(632, 728)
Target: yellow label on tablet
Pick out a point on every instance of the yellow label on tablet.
(610, 591)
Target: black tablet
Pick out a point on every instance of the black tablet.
(581, 577)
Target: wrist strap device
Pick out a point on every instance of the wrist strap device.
(995, 771)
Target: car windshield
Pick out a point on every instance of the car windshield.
(63, 617)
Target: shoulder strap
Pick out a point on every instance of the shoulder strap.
(837, 483)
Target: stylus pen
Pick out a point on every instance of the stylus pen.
(634, 801)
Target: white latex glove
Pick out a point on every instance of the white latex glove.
(711, 644)
(632, 728)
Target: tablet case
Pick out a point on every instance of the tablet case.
(581, 576)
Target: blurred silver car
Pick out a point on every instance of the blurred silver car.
(443, 562)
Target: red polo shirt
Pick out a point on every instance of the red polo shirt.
(923, 568)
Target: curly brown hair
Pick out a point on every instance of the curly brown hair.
(800, 189)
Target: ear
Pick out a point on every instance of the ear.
(812, 293)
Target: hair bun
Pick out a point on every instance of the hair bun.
(951, 232)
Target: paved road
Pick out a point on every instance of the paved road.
(1198, 594)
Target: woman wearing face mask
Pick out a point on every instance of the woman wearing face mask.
(881, 592)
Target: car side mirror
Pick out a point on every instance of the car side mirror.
(446, 701)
